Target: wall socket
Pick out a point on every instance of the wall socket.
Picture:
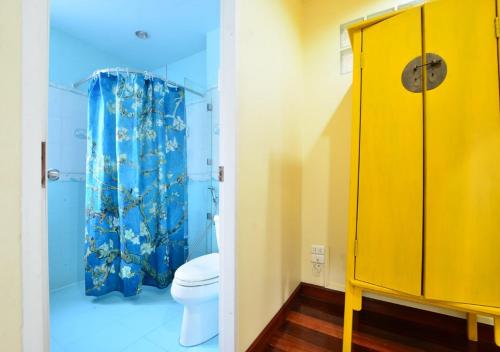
(318, 254)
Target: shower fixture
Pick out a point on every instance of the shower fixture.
(214, 195)
(142, 34)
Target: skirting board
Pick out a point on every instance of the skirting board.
(261, 341)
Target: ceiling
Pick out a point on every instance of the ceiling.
(176, 27)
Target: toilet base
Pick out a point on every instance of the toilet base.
(200, 323)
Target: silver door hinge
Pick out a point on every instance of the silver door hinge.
(497, 27)
(221, 173)
(210, 107)
(355, 248)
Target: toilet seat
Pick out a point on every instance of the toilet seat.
(201, 271)
(196, 283)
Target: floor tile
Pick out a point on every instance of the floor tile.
(70, 327)
(148, 318)
(143, 345)
(113, 338)
(148, 322)
(55, 346)
(167, 337)
(209, 346)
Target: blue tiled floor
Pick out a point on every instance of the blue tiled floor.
(147, 323)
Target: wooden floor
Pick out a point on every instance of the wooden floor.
(312, 322)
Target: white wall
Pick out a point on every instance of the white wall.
(213, 58)
(72, 59)
(190, 71)
(201, 70)
(66, 149)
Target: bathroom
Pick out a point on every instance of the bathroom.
(168, 52)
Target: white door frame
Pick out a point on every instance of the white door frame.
(34, 81)
(34, 237)
(227, 189)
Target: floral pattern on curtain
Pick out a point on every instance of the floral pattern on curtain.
(136, 194)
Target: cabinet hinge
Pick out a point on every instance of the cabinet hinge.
(362, 60)
(210, 107)
(497, 27)
(355, 248)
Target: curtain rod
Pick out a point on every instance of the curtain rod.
(126, 70)
(67, 89)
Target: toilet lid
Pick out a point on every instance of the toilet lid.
(202, 269)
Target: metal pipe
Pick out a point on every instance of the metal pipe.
(126, 70)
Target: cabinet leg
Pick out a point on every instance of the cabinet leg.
(472, 326)
(357, 298)
(348, 315)
(497, 331)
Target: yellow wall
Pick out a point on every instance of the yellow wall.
(327, 134)
(10, 160)
(293, 150)
(269, 161)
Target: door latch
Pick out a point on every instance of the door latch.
(413, 73)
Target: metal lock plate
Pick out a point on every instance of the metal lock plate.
(412, 75)
(436, 71)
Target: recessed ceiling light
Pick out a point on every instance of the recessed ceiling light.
(142, 34)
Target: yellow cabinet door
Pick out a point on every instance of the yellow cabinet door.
(462, 153)
(390, 189)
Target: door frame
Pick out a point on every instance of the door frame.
(34, 234)
(228, 188)
(34, 240)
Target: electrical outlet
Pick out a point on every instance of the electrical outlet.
(318, 258)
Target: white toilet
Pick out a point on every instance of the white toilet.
(196, 286)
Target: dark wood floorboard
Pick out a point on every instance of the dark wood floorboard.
(313, 323)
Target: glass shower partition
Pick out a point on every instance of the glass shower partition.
(203, 189)
(66, 149)
(212, 95)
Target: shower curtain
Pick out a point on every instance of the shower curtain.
(136, 194)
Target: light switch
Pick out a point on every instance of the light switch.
(317, 249)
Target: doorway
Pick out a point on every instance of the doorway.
(66, 270)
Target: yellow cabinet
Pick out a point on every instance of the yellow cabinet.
(462, 156)
(390, 202)
(424, 217)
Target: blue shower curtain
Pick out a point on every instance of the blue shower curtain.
(136, 194)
